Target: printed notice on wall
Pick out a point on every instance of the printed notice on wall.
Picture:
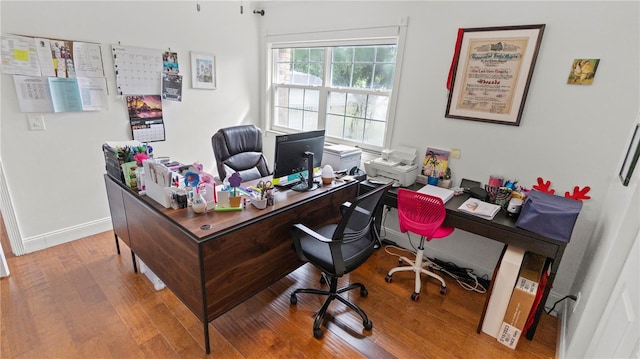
(19, 55)
(138, 70)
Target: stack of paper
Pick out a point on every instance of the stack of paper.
(444, 193)
(479, 208)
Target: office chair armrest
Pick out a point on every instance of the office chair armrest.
(311, 233)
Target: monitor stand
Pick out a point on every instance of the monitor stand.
(307, 184)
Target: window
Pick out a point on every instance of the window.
(342, 86)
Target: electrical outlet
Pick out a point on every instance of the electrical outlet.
(455, 153)
(575, 305)
(36, 122)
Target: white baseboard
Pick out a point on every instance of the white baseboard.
(66, 235)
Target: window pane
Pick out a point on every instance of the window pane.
(362, 74)
(377, 107)
(281, 116)
(296, 98)
(342, 54)
(334, 126)
(300, 55)
(316, 54)
(310, 121)
(356, 104)
(282, 97)
(336, 103)
(311, 100)
(295, 119)
(383, 78)
(341, 75)
(374, 133)
(354, 128)
(364, 54)
(386, 54)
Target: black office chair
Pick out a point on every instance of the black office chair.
(337, 249)
(239, 149)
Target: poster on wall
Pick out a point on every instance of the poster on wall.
(492, 70)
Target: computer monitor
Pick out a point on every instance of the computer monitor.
(299, 153)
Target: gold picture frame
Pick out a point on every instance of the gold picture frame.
(492, 71)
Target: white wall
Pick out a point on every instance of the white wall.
(55, 176)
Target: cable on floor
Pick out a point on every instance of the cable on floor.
(464, 276)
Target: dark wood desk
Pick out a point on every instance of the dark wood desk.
(211, 270)
(501, 228)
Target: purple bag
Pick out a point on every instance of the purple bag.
(549, 215)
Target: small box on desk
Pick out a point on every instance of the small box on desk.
(341, 157)
(522, 299)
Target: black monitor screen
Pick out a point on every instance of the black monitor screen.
(292, 156)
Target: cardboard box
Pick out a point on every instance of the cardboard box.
(522, 299)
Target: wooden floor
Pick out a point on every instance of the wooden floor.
(82, 300)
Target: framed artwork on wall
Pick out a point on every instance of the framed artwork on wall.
(491, 72)
(203, 71)
(631, 158)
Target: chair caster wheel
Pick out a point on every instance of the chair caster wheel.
(388, 279)
(317, 333)
(399, 262)
(368, 325)
(364, 292)
(415, 296)
(293, 300)
(323, 281)
(443, 290)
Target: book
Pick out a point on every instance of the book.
(503, 285)
(479, 208)
(444, 193)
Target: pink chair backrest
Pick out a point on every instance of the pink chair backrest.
(420, 213)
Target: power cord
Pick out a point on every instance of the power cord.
(570, 296)
(464, 276)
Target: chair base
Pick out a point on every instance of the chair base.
(418, 267)
(333, 293)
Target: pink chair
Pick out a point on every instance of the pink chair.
(421, 214)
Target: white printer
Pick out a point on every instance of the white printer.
(396, 165)
(341, 157)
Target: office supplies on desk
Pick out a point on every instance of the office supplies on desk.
(443, 193)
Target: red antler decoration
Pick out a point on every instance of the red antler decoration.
(543, 186)
(578, 194)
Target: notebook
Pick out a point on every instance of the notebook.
(479, 208)
(444, 193)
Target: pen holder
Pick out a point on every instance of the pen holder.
(259, 203)
(235, 201)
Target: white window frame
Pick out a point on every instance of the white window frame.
(375, 35)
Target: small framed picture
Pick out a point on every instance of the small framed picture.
(203, 71)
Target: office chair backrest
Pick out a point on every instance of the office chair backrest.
(357, 220)
(239, 149)
(419, 212)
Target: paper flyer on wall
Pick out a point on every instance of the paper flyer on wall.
(171, 87)
(19, 55)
